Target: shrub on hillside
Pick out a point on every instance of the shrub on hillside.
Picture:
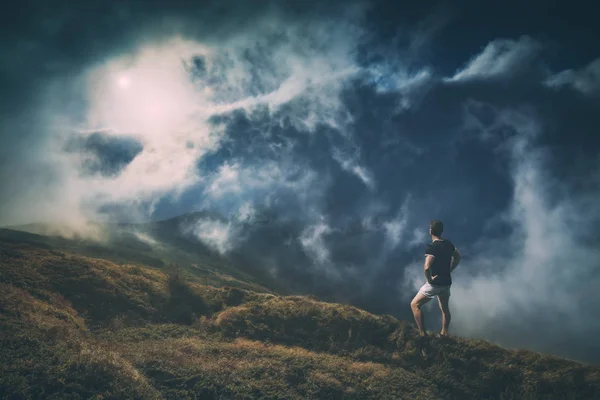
(312, 324)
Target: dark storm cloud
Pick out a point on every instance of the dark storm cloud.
(327, 136)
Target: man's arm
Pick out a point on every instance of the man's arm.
(427, 266)
(455, 260)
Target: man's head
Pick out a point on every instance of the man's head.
(436, 228)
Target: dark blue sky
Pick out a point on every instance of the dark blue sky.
(328, 136)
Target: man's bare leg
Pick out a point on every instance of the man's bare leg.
(415, 305)
(444, 300)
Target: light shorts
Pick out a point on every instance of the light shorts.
(431, 291)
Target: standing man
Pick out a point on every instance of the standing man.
(441, 258)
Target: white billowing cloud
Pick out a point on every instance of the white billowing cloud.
(395, 228)
(226, 181)
(585, 80)
(418, 238)
(232, 179)
(246, 212)
(394, 231)
(389, 80)
(375, 219)
(413, 279)
(219, 235)
(500, 58)
(312, 239)
(364, 175)
(395, 77)
(349, 163)
(243, 187)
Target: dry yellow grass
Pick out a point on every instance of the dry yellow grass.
(73, 327)
(47, 352)
(54, 312)
(251, 369)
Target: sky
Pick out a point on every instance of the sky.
(322, 139)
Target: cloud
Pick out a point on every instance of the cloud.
(586, 80)
(349, 163)
(142, 119)
(395, 228)
(419, 237)
(412, 86)
(500, 58)
(312, 239)
(238, 189)
(227, 180)
(219, 235)
(246, 212)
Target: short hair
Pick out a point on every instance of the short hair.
(437, 227)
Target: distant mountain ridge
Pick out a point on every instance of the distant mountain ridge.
(156, 244)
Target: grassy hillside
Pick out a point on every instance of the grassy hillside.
(73, 327)
(154, 245)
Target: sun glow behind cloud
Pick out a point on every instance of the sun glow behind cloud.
(149, 96)
(123, 81)
(153, 92)
(167, 94)
(164, 98)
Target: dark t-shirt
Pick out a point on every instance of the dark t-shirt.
(442, 250)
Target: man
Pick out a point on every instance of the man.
(441, 258)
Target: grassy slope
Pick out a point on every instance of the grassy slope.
(75, 327)
(124, 248)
